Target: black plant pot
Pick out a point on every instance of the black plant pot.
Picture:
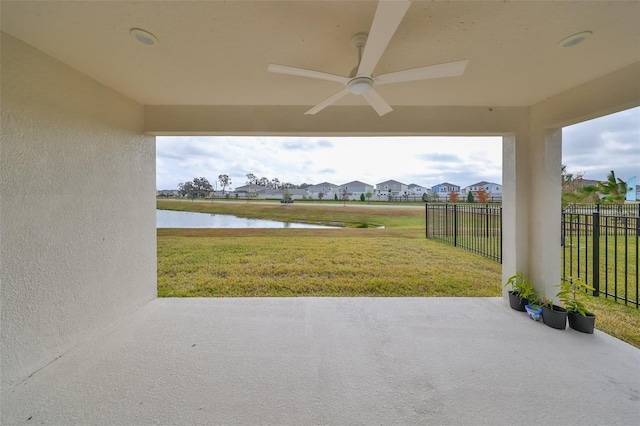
(583, 324)
(556, 317)
(516, 302)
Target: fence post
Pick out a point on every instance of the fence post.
(426, 220)
(486, 215)
(596, 254)
(500, 234)
(446, 219)
(455, 225)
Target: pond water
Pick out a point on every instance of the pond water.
(173, 219)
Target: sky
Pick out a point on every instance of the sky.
(594, 148)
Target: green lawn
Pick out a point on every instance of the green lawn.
(312, 262)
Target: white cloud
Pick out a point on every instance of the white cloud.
(607, 143)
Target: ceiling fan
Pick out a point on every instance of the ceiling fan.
(388, 16)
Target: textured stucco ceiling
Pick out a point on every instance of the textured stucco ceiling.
(217, 53)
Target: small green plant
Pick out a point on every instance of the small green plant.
(523, 288)
(570, 294)
(532, 296)
(517, 282)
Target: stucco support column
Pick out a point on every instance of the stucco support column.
(515, 205)
(545, 160)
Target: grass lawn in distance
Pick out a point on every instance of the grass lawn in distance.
(317, 262)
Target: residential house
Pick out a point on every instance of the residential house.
(391, 188)
(354, 189)
(295, 193)
(442, 190)
(251, 191)
(417, 191)
(328, 190)
(167, 193)
(494, 190)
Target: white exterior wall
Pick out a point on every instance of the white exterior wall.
(77, 192)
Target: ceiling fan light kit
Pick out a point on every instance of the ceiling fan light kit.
(360, 85)
(389, 14)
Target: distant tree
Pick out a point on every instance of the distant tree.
(264, 182)
(567, 179)
(320, 196)
(275, 183)
(368, 195)
(196, 188)
(186, 189)
(614, 190)
(344, 195)
(470, 198)
(362, 197)
(304, 185)
(583, 194)
(225, 181)
(335, 197)
(425, 197)
(483, 196)
(574, 191)
(406, 196)
(202, 187)
(454, 197)
(251, 179)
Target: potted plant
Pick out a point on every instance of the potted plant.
(580, 319)
(519, 285)
(534, 307)
(553, 315)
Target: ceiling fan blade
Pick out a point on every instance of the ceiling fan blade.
(301, 72)
(388, 16)
(450, 69)
(322, 105)
(380, 105)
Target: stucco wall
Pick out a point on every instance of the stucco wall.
(77, 221)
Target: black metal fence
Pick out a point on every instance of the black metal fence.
(599, 245)
(477, 228)
(602, 250)
(631, 210)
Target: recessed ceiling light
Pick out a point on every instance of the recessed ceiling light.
(143, 36)
(574, 39)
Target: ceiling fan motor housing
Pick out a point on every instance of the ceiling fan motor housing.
(360, 85)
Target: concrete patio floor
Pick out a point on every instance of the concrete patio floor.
(355, 361)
